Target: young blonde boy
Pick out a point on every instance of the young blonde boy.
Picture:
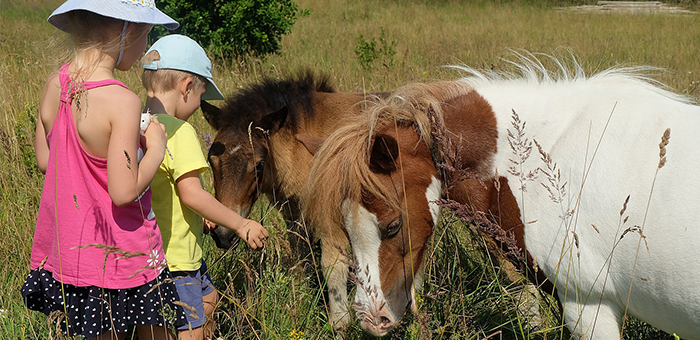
(177, 76)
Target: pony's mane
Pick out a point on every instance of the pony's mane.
(529, 68)
(257, 100)
(342, 162)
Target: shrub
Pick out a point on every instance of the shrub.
(367, 51)
(232, 27)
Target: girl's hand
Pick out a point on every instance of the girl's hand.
(253, 233)
(154, 138)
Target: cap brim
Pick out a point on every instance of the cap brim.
(212, 92)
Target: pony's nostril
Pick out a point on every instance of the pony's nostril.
(384, 320)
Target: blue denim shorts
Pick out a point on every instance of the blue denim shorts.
(192, 286)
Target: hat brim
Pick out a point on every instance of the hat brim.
(116, 9)
(212, 92)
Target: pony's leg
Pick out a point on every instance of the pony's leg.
(335, 266)
(591, 322)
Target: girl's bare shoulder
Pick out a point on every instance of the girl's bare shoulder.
(50, 98)
(118, 100)
(52, 87)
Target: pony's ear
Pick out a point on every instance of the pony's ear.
(274, 121)
(211, 114)
(385, 151)
(311, 142)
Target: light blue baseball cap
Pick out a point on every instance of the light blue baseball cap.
(178, 52)
(138, 11)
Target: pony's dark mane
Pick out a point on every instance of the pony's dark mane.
(269, 95)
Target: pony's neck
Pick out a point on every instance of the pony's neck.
(503, 231)
(291, 160)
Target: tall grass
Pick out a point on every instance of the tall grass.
(278, 293)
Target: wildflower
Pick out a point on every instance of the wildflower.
(296, 335)
(207, 139)
(3, 313)
(155, 260)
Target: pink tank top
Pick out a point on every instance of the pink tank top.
(77, 220)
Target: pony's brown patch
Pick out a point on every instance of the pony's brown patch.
(466, 138)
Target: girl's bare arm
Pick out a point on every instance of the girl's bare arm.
(127, 177)
(48, 108)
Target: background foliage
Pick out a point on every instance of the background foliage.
(231, 28)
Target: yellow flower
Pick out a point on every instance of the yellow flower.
(296, 335)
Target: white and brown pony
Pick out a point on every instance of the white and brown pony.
(569, 166)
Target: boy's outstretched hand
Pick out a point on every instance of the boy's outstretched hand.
(253, 233)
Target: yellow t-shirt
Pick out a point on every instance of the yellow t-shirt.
(180, 227)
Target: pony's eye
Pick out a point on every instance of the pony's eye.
(216, 149)
(393, 228)
(259, 167)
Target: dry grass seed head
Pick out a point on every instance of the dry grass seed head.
(56, 318)
(662, 147)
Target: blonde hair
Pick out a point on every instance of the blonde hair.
(163, 80)
(90, 33)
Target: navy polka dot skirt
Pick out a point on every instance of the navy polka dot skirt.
(92, 311)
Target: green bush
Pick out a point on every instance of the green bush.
(367, 51)
(232, 27)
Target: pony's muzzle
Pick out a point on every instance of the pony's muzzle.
(225, 238)
(378, 323)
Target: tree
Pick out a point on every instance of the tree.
(229, 28)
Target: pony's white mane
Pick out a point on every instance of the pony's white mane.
(530, 69)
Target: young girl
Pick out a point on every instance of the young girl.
(97, 263)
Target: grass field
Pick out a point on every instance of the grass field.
(278, 293)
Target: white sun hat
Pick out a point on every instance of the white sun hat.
(137, 11)
(178, 52)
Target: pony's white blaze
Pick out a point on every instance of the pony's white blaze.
(363, 230)
(603, 134)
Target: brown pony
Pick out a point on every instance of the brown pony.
(256, 152)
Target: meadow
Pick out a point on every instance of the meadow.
(278, 293)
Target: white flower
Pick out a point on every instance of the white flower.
(3, 313)
(154, 258)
